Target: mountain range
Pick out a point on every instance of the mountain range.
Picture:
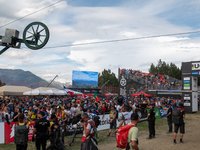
(18, 77)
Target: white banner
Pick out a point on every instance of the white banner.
(105, 122)
(2, 137)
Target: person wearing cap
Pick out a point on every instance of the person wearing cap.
(133, 133)
(8, 116)
(61, 115)
(112, 116)
(151, 122)
(181, 124)
(88, 133)
(62, 118)
(126, 116)
(42, 130)
(26, 115)
(169, 117)
(73, 107)
(33, 115)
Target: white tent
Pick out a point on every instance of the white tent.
(13, 90)
(47, 92)
(61, 92)
(35, 92)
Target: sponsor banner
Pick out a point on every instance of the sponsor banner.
(186, 81)
(9, 132)
(195, 66)
(2, 139)
(163, 111)
(187, 78)
(195, 73)
(186, 104)
(157, 115)
(186, 88)
(186, 84)
(87, 90)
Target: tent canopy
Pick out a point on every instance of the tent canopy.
(13, 90)
(140, 93)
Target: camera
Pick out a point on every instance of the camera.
(78, 124)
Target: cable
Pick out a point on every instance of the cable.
(120, 40)
(34, 13)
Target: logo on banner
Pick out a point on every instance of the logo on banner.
(12, 132)
(123, 81)
(195, 66)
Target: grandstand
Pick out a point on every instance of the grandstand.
(137, 80)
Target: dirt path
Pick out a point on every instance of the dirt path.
(164, 141)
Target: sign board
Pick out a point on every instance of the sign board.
(84, 79)
(10, 132)
(2, 139)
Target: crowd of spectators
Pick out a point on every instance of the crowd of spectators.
(151, 81)
(11, 107)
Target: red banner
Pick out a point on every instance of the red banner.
(85, 95)
(9, 132)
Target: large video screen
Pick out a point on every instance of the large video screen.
(84, 79)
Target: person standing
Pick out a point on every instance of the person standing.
(112, 117)
(126, 116)
(151, 122)
(54, 128)
(42, 126)
(21, 133)
(133, 133)
(169, 117)
(88, 133)
(180, 125)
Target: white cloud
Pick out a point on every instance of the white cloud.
(3, 66)
(75, 25)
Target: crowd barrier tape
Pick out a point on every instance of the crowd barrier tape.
(9, 132)
(2, 131)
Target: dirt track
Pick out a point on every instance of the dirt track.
(164, 141)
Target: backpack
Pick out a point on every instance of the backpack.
(21, 134)
(122, 135)
(176, 116)
(59, 144)
(97, 121)
(96, 133)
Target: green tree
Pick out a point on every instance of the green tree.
(2, 84)
(109, 77)
(163, 68)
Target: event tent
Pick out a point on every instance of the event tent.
(140, 93)
(46, 91)
(35, 92)
(13, 90)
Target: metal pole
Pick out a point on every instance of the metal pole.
(52, 80)
(3, 50)
(105, 83)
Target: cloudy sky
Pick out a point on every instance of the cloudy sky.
(84, 21)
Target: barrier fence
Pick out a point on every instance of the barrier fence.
(104, 124)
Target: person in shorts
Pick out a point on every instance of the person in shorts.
(181, 125)
(112, 117)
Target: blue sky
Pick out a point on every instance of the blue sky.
(83, 21)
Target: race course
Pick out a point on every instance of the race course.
(163, 141)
